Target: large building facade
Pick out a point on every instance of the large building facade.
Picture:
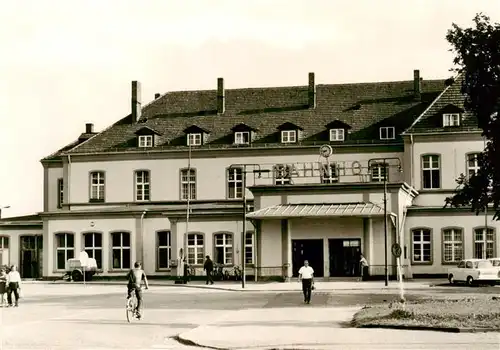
(313, 165)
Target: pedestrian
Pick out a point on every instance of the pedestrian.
(13, 285)
(306, 276)
(3, 286)
(364, 267)
(209, 268)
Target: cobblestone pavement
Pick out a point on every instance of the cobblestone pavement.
(93, 317)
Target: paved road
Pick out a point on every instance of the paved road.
(93, 317)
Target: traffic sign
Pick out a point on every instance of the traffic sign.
(325, 151)
(396, 250)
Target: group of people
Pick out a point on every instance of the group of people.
(10, 283)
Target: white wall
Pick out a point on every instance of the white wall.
(52, 189)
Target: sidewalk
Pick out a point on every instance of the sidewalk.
(311, 327)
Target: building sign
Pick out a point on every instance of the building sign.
(319, 169)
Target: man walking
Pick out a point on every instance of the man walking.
(209, 268)
(306, 275)
(13, 285)
(364, 267)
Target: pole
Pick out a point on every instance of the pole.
(188, 209)
(385, 224)
(243, 235)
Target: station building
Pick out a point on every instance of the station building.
(325, 172)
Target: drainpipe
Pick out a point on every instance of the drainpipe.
(142, 237)
(68, 184)
(412, 170)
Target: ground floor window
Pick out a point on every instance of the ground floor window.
(421, 245)
(120, 242)
(4, 251)
(195, 249)
(249, 248)
(223, 252)
(65, 249)
(453, 245)
(484, 243)
(92, 242)
(164, 249)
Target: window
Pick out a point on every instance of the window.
(188, 184)
(329, 174)
(194, 139)
(234, 183)
(288, 136)
(249, 247)
(242, 137)
(337, 135)
(431, 177)
(65, 249)
(164, 249)
(145, 140)
(453, 245)
(92, 243)
(4, 251)
(484, 243)
(421, 241)
(472, 164)
(223, 252)
(142, 185)
(120, 243)
(378, 172)
(60, 193)
(387, 133)
(282, 175)
(195, 249)
(451, 119)
(97, 186)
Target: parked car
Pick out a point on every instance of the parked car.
(495, 262)
(474, 271)
(75, 269)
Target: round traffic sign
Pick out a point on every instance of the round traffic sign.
(325, 151)
(396, 250)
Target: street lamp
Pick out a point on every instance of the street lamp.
(3, 207)
(256, 170)
(385, 176)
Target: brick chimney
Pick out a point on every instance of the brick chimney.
(417, 87)
(157, 95)
(311, 91)
(221, 96)
(136, 101)
(89, 128)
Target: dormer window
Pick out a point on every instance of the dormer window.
(194, 139)
(145, 140)
(387, 133)
(243, 134)
(290, 133)
(196, 136)
(337, 134)
(146, 137)
(451, 119)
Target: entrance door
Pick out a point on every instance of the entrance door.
(344, 257)
(31, 256)
(307, 249)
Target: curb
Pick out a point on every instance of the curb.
(429, 328)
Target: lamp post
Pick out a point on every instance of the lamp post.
(3, 207)
(255, 170)
(385, 176)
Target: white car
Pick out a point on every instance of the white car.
(473, 271)
(495, 262)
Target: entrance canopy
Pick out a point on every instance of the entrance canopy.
(285, 211)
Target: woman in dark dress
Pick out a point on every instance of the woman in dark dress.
(3, 286)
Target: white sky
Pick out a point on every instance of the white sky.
(66, 63)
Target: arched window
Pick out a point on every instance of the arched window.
(120, 246)
(92, 243)
(223, 248)
(195, 249)
(65, 249)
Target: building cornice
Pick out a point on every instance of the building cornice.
(422, 210)
(444, 136)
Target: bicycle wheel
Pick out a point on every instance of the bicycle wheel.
(130, 309)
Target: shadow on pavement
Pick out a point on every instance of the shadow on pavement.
(143, 322)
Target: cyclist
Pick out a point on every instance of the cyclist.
(135, 277)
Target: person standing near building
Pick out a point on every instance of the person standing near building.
(306, 276)
(13, 285)
(364, 267)
(209, 268)
(3, 286)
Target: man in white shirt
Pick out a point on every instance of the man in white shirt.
(13, 285)
(306, 275)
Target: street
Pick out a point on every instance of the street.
(71, 316)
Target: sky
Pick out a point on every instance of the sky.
(67, 63)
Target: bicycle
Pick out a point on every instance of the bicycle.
(131, 306)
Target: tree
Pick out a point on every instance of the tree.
(477, 56)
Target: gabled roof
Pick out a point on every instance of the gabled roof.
(145, 130)
(193, 129)
(337, 124)
(451, 98)
(242, 127)
(289, 126)
(265, 109)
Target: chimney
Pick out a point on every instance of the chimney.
(417, 88)
(312, 91)
(157, 95)
(221, 96)
(136, 101)
(89, 128)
